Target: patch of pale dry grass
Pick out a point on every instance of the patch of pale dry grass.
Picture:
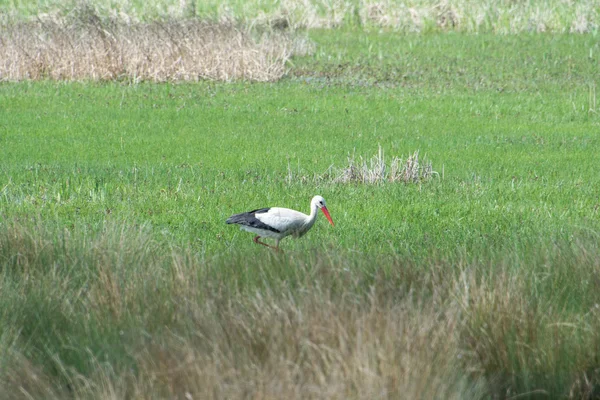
(92, 48)
(376, 170)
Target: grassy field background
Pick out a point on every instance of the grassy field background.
(119, 278)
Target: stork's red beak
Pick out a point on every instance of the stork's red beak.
(324, 209)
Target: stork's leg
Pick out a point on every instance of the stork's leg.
(263, 243)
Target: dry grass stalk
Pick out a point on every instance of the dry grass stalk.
(93, 49)
(410, 170)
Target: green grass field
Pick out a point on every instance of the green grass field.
(120, 279)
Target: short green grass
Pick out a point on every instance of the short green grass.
(183, 157)
(113, 198)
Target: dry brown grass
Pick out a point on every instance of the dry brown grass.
(91, 48)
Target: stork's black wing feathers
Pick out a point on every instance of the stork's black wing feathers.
(249, 219)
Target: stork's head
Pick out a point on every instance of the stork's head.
(319, 202)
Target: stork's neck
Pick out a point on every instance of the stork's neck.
(313, 214)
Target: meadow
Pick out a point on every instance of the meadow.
(120, 279)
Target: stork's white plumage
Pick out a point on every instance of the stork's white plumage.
(279, 222)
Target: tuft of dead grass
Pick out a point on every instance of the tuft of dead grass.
(91, 48)
(376, 170)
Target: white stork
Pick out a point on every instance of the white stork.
(277, 223)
